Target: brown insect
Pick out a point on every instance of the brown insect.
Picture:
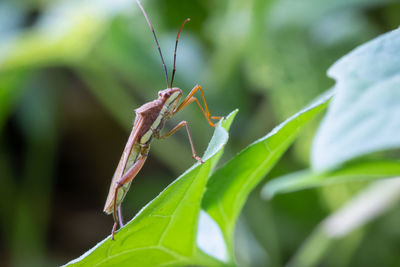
(150, 119)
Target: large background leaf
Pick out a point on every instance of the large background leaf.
(364, 114)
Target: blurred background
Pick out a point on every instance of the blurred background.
(72, 73)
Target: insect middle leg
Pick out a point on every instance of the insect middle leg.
(126, 178)
(176, 128)
(190, 98)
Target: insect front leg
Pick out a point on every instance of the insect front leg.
(126, 178)
(190, 98)
(176, 128)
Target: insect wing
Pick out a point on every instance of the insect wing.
(128, 158)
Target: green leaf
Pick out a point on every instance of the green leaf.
(164, 231)
(228, 187)
(364, 114)
(357, 171)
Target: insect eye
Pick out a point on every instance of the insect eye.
(160, 93)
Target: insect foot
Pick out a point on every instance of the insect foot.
(198, 159)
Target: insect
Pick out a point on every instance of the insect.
(150, 119)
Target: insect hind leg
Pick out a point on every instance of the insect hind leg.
(126, 178)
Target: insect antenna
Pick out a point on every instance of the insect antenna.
(176, 46)
(155, 37)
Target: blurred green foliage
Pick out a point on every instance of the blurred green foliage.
(72, 73)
